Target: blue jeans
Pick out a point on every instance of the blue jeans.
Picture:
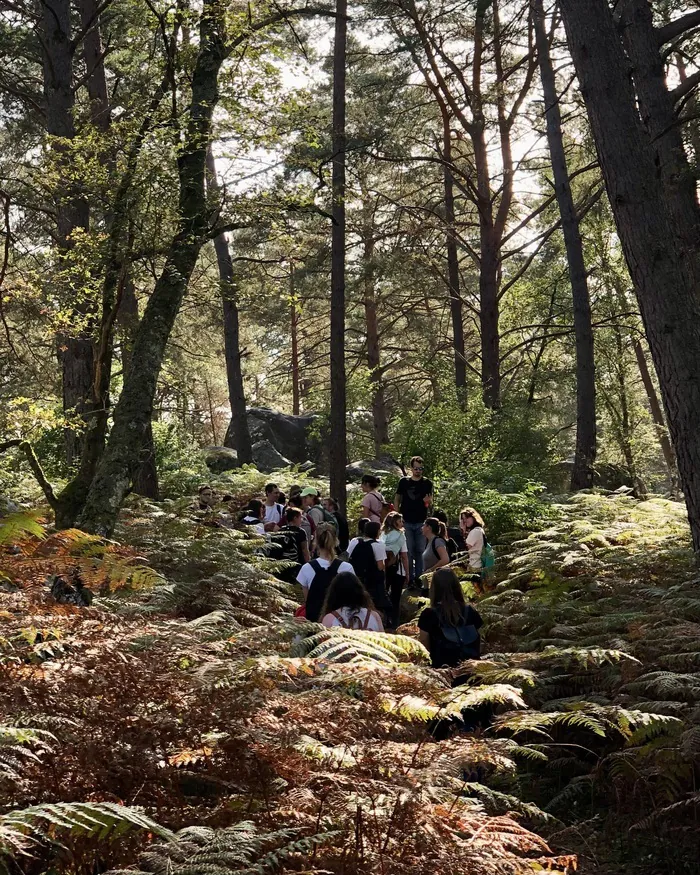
(415, 541)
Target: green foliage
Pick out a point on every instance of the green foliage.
(22, 829)
(180, 463)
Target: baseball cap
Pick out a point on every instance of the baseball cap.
(309, 491)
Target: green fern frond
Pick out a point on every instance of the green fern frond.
(20, 526)
(27, 827)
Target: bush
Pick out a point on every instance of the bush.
(180, 463)
(502, 512)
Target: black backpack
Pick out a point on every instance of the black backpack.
(319, 587)
(452, 549)
(461, 641)
(365, 567)
(288, 543)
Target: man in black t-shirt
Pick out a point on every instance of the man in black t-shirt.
(414, 495)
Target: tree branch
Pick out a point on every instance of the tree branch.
(685, 87)
(35, 465)
(678, 27)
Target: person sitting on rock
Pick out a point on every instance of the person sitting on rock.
(348, 604)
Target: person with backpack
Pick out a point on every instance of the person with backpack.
(367, 556)
(414, 495)
(316, 512)
(373, 505)
(348, 605)
(396, 563)
(436, 553)
(449, 628)
(479, 549)
(274, 510)
(293, 529)
(315, 577)
(331, 505)
(454, 534)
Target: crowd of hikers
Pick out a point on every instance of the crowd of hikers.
(358, 583)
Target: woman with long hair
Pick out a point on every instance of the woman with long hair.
(396, 562)
(449, 627)
(435, 554)
(472, 526)
(315, 577)
(348, 604)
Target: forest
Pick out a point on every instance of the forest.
(299, 242)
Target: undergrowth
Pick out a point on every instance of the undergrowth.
(186, 722)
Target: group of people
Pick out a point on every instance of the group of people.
(357, 583)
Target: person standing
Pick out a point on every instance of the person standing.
(472, 526)
(396, 562)
(333, 508)
(373, 502)
(414, 495)
(274, 511)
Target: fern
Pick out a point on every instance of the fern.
(21, 526)
(18, 745)
(26, 828)
(240, 848)
(338, 644)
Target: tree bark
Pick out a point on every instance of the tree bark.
(338, 425)
(374, 363)
(146, 476)
(453, 260)
(584, 459)
(238, 434)
(75, 351)
(663, 280)
(657, 416)
(132, 414)
(93, 55)
(661, 122)
(294, 317)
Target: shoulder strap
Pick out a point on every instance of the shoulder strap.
(340, 619)
(316, 567)
(334, 566)
(368, 617)
(435, 549)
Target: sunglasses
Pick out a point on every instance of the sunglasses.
(416, 468)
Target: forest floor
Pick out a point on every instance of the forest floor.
(188, 691)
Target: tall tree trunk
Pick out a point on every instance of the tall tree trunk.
(134, 408)
(146, 476)
(582, 473)
(93, 54)
(657, 416)
(665, 284)
(661, 122)
(75, 352)
(489, 318)
(453, 260)
(294, 315)
(379, 417)
(238, 434)
(338, 437)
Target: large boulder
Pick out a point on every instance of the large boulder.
(220, 459)
(384, 466)
(290, 435)
(267, 458)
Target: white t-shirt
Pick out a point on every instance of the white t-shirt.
(274, 514)
(378, 549)
(374, 624)
(307, 573)
(475, 544)
(255, 524)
